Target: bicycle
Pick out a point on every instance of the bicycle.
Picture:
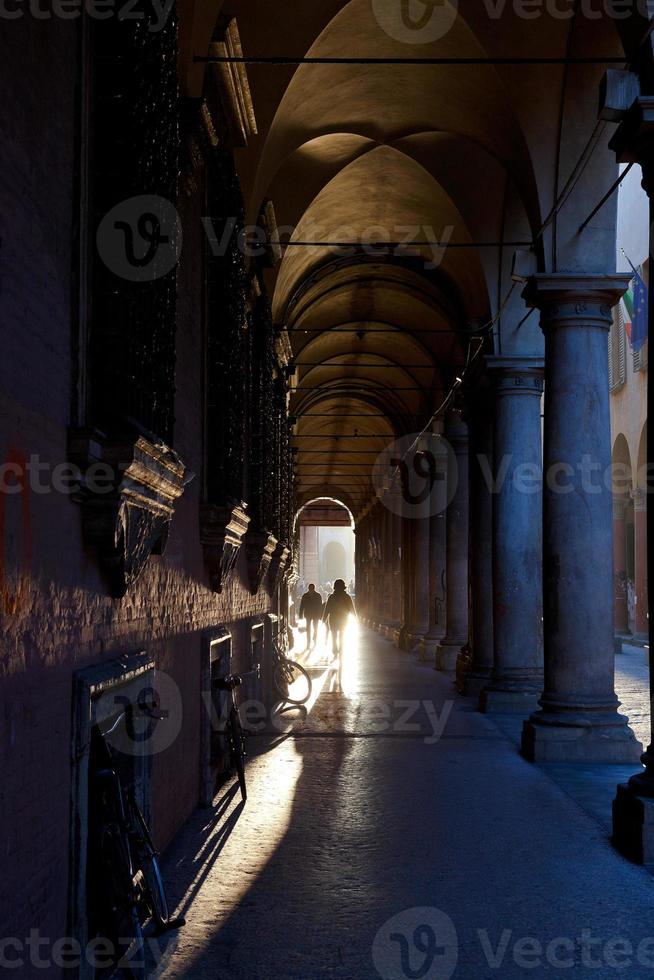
(124, 877)
(234, 730)
(290, 679)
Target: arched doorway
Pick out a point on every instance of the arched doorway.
(325, 529)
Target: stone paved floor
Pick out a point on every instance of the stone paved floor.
(391, 822)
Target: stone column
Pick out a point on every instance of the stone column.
(387, 559)
(517, 678)
(421, 582)
(436, 519)
(374, 588)
(380, 575)
(474, 671)
(406, 578)
(620, 606)
(578, 719)
(396, 551)
(362, 567)
(373, 574)
(457, 543)
(641, 625)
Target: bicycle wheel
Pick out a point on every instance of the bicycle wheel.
(237, 750)
(122, 924)
(146, 858)
(132, 955)
(292, 682)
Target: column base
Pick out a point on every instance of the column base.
(463, 668)
(404, 640)
(414, 640)
(394, 634)
(427, 648)
(447, 655)
(555, 738)
(391, 630)
(474, 683)
(633, 826)
(494, 701)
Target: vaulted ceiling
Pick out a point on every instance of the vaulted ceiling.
(355, 154)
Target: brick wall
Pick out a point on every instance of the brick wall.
(55, 613)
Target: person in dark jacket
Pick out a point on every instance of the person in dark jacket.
(311, 611)
(338, 609)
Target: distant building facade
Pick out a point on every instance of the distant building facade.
(628, 374)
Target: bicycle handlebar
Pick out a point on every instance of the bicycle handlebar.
(146, 708)
(229, 683)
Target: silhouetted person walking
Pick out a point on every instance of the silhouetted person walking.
(311, 611)
(338, 609)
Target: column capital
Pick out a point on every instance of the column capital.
(633, 140)
(517, 375)
(639, 498)
(575, 299)
(620, 504)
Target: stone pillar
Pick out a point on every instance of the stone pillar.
(474, 671)
(395, 625)
(376, 587)
(406, 578)
(578, 719)
(457, 544)
(437, 560)
(437, 545)
(641, 625)
(362, 567)
(620, 605)
(420, 582)
(517, 678)
(387, 558)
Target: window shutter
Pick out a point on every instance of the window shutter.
(640, 358)
(622, 348)
(611, 378)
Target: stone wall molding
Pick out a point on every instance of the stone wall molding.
(222, 530)
(127, 515)
(260, 547)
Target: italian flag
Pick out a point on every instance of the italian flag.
(627, 308)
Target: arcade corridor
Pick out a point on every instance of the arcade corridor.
(391, 797)
(326, 290)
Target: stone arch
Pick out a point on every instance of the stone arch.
(640, 482)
